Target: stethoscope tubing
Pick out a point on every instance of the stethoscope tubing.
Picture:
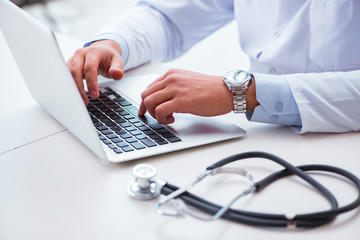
(276, 220)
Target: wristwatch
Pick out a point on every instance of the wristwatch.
(237, 82)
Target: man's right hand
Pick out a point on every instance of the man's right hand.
(101, 57)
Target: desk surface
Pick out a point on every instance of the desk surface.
(53, 187)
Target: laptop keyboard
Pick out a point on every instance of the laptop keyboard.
(121, 128)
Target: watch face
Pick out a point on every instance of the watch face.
(238, 77)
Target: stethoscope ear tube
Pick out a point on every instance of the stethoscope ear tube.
(240, 216)
(276, 220)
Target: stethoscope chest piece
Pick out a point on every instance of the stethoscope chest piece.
(143, 187)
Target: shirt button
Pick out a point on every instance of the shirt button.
(274, 118)
(277, 34)
(279, 106)
(272, 70)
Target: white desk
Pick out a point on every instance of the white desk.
(53, 187)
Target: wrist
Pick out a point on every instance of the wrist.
(251, 102)
(109, 43)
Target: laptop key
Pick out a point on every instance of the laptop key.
(116, 140)
(120, 120)
(156, 126)
(127, 117)
(107, 142)
(110, 124)
(106, 132)
(161, 141)
(111, 136)
(149, 132)
(174, 139)
(98, 124)
(127, 149)
(144, 128)
(125, 103)
(121, 131)
(136, 132)
(162, 131)
(131, 140)
(117, 151)
(115, 128)
(168, 135)
(130, 128)
(141, 136)
(101, 128)
(125, 124)
(119, 99)
(148, 143)
(122, 144)
(112, 146)
(135, 121)
(126, 135)
(154, 136)
(137, 145)
(137, 124)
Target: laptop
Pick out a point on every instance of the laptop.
(108, 126)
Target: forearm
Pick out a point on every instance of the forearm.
(158, 30)
(141, 35)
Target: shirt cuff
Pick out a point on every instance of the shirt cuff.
(118, 39)
(277, 104)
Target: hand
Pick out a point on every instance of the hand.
(102, 57)
(181, 91)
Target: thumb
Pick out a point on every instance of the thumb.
(116, 69)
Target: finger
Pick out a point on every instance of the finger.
(154, 100)
(142, 109)
(91, 66)
(146, 93)
(116, 73)
(75, 65)
(116, 68)
(164, 112)
(153, 88)
(170, 119)
(166, 120)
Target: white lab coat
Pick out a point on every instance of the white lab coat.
(313, 44)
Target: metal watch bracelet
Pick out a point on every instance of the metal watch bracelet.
(239, 100)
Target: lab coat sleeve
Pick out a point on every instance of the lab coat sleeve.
(326, 102)
(142, 34)
(163, 30)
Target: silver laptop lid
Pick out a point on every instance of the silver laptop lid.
(50, 83)
(46, 75)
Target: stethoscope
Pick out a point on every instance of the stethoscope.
(145, 187)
